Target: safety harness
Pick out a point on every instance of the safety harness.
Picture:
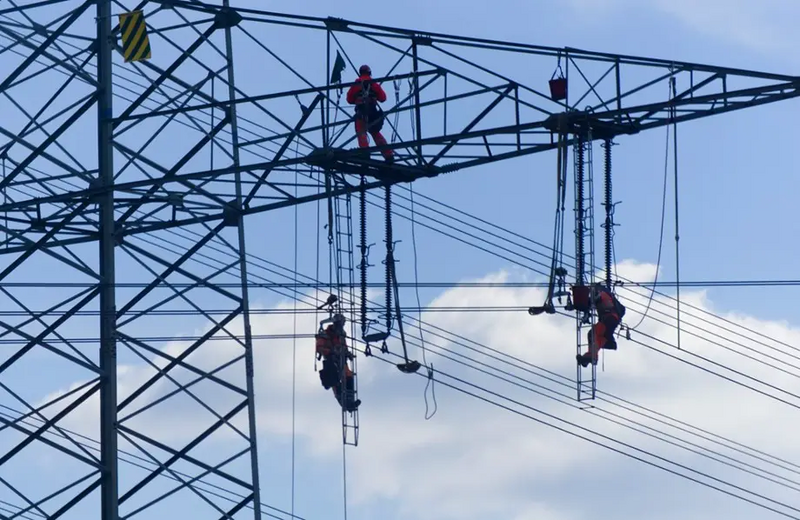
(368, 109)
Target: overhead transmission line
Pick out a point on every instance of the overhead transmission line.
(264, 128)
(40, 191)
(19, 417)
(473, 237)
(624, 448)
(408, 285)
(285, 295)
(173, 251)
(549, 375)
(624, 282)
(172, 230)
(186, 338)
(450, 385)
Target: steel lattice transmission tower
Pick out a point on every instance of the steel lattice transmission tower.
(124, 189)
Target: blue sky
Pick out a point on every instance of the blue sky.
(472, 460)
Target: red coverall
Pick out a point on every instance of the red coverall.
(331, 346)
(602, 333)
(364, 113)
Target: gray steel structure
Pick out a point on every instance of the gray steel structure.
(88, 245)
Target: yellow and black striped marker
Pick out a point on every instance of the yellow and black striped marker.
(135, 43)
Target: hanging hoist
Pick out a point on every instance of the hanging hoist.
(409, 367)
(557, 283)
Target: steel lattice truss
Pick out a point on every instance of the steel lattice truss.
(124, 186)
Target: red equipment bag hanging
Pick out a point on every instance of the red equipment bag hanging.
(580, 297)
(558, 85)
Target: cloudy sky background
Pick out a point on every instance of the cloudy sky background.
(473, 459)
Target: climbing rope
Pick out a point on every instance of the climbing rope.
(319, 240)
(333, 258)
(316, 316)
(389, 227)
(411, 112)
(430, 383)
(331, 255)
(677, 235)
(392, 288)
(294, 327)
(561, 199)
(557, 261)
(344, 479)
(661, 234)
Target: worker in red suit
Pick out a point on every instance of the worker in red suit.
(365, 95)
(331, 347)
(609, 314)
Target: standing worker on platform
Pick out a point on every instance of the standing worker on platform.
(365, 95)
(609, 314)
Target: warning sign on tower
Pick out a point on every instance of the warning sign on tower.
(135, 43)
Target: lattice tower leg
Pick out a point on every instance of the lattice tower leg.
(109, 476)
(252, 430)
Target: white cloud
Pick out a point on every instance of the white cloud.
(475, 461)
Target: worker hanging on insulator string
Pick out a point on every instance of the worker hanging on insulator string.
(601, 336)
(331, 346)
(366, 95)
